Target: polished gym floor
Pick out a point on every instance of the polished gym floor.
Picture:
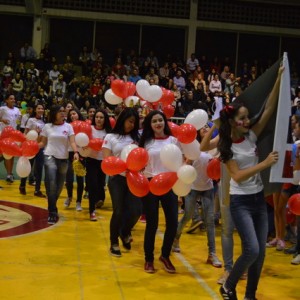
(71, 260)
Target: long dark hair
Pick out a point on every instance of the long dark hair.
(54, 109)
(80, 116)
(33, 114)
(125, 114)
(148, 132)
(225, 141)
(106, 125)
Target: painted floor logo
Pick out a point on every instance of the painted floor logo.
(18, 219)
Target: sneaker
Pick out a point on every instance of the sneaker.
(68, 202)
(93, 217)
(99, 204)
(296, 260)
(168, 266)
(227, 295)
(280, 245)
(272, 243)
(10, 178)
(149, 267)
(291, 250)
(126, 241)
(194, 226)
(222, 279)
(33, 183)
(39, 194)
(22, 190)
(143, 219)
(214, 261)
(115, 251)
(78, 206)
(175, 246)
(86, 195)
(52, 219)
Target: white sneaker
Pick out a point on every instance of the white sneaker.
(222, 279)
(214, 260)
(296, 260)
(78, 206)
(175, 246)
(68, 202)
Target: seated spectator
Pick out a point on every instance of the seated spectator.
(215, 85)
(179, 80)
(18, 86)
(27, 53)
(134, 77)
(152, 76)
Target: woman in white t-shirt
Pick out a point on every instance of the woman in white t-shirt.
(203, 188)
(9, 116)
(94, 174)
(126, 206)
(55, 137)
(238, 150)
(35, 122)
(157, 134)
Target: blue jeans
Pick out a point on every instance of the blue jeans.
(126, 208)
(249, 213)
(169, 205)
(207, 200)
(55, 175)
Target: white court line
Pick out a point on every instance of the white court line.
(196, 275)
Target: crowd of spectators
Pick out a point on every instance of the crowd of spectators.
(84, 79)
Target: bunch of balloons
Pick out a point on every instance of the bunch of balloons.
(133, 159)
(294, 204)
(14, 143)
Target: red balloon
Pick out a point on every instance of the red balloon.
(290, 217)
(17, 136)
(30, 148)
(137, 159)
(214, 169)
(162, 183)
(95, 144)
(169, 111)
(112, 122)
(86, 128)
(118, 87)
(113, 165)
(187, 133)
(130, 88)
(174, 128)
(76, 126)
(9, 147)
(167, 97)
(6, 132)
(294, 204)
(138, 184)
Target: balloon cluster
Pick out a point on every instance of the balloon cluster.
(83, 138)
(14, 143)
(142, 93)
(294, 204)
(132, 160)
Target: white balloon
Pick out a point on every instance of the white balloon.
(187, 174)
(84, 152)
(154, 93)
(32, 135)
(191, 150)
(81, 139)
(126, 150)
(180, 188)
(23, 167)
(111, 98)
(6, 156)
(134, 100)
(171, 157)
(197, 117)
(142, 88)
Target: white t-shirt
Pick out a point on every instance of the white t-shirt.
(57, 139)
(202, 182)
(245, 154)
(97, 134)
(116, 143)
(153, 148)
(13, 115)
(34, 123)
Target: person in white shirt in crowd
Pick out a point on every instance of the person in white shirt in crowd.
(192, 63)
(9, 116)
